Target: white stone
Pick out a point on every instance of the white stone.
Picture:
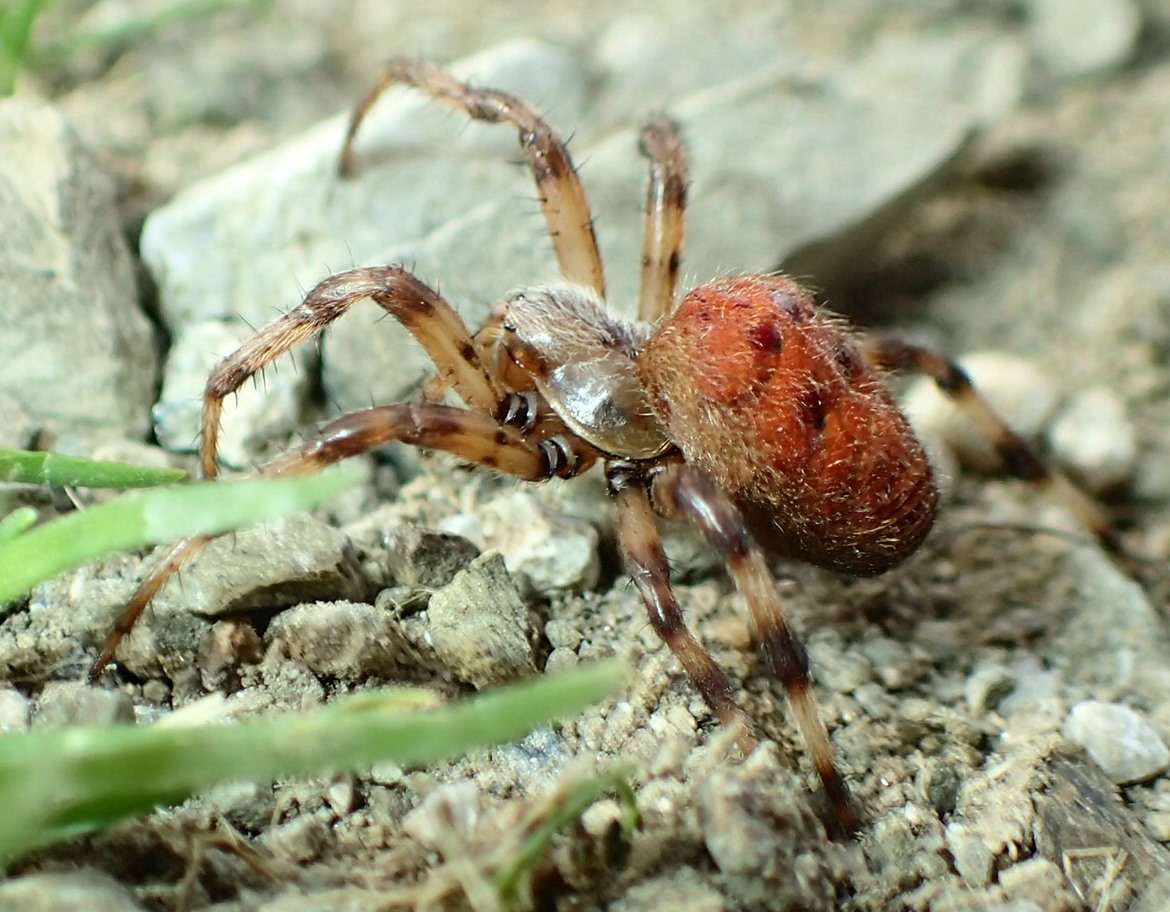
(1094, 439)
(1080, 37)
(1118, 740)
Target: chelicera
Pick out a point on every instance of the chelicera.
(743, 409)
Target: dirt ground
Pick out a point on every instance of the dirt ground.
(947, 684)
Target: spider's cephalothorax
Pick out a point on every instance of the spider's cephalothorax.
(744, 411)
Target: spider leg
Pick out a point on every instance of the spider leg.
(472, 436)
(665, 218)
(562, 198)
(1019, 459)
(430, 319)
(645, 560)
(682, 492)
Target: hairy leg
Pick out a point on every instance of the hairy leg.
(645, 560)
(562, 198)
(665, 218)
(430, 319)
(681, 492)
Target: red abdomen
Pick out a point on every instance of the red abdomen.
(770, 397)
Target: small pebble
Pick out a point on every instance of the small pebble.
(65, 703)
(344, 640)
(14, 710)
(426, 558)
(1094, 439)
(974, 858)
(1038, 880)
(478, 624)
(61, 891)
(450, 809)
(987, 686)
(555, 552)
(1084, 37)
(1118, 740)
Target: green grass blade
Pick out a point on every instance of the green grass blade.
(16, 25)
(63, 783)
(55, 469)
(570, 807)
(135, 27)
(19, 520)
(153, 517)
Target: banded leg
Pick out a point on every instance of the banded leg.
(683, 493)
(430, 319)
(645, 560)
(562, 198)
(665, 218)
(1019, 459)
(472, 436)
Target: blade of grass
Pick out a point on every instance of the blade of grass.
(131, 28)
(16, 24)
(63, 783)
(153, 517)
(16, 522)
(567, 809)
(54, 469)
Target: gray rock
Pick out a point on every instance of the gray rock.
(72, 891)
(974, 858)
(276, 225)
(425, 557)
(1111, 637)
(65, 703)
(554, 552)
(1120, 741)
(282, 562)
(478, 625)
(756, 836)
(344, 640)
(1041, 882)
(69, 302)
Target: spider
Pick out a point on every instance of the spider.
(742, 409)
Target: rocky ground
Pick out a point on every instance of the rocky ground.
(988, 178)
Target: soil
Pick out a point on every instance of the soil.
(945, 683)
